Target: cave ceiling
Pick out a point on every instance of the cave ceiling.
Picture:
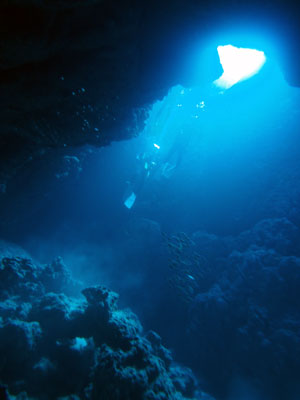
(85, 71)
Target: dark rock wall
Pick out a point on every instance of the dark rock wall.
(83, 72)
(241, 295)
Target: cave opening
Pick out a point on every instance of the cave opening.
(194, 221)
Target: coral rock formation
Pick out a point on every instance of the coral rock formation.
(56, 346)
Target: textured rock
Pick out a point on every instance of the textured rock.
(56, 346)
(84, 72)
(244, 323)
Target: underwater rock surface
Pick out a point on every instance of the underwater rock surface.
(244, 309)
(54, 346)
(83, 72)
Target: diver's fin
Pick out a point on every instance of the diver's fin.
(129, 202)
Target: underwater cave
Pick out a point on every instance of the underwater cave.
(149, 200)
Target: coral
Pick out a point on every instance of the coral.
(246, 322)
(56, 346)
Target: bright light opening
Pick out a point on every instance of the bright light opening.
(238, 64)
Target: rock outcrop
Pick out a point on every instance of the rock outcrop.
(244, 310)
(57, 346)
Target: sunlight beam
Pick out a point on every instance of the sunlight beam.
(238, 64)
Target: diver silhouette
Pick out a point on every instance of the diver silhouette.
(167, 140)
(147, 163)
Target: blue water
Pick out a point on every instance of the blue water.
(225, 172)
